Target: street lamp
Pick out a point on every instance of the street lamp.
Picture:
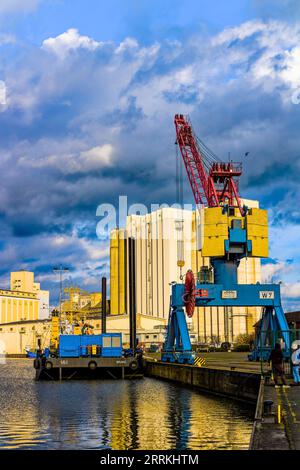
(60, 270)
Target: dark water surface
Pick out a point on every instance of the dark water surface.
(142, 414)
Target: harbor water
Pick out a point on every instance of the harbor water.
(142, 414)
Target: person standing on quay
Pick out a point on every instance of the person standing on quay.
(276, 359)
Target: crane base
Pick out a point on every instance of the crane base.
(186, 357)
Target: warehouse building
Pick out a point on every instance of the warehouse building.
(25, 300)
(168, 243)
(17, 337)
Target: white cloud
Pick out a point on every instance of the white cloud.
(291, 70)
(273, 54)
(97, 157)
(271, 270)
(11, 6)
(70, 40)
(3, 96)
(128, 43)
(291, 290)
(238, 32)
(67, 160)
(7, 39)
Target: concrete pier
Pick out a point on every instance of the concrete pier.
(241, 385)
(277, 416)
(279, 426)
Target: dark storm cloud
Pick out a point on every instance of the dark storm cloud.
(88, 121)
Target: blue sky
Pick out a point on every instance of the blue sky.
(88, 90)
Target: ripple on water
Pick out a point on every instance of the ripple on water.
(142, 414)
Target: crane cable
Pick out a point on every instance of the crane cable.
(179, 204)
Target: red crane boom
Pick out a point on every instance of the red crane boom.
(214, 183)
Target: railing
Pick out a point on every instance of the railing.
(266, 342)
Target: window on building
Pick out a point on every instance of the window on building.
(147, 336)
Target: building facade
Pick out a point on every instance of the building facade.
(167, 245)
(80, 303)
(118, 272)
(16, 337)
(24, 301)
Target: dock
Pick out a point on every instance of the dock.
(277, 410)
(216, 377)
(277, 418)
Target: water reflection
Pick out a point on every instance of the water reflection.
(145, 414)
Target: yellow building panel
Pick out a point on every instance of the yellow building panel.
(15, 311)
(214, 215)
(22, 281)
(213, 246)
(257, 230)
(122, 272)
(30, 311)
(114, 273)
(36, 310)
(118, 264)
(216, 230)
(9, 319)
(54, 332)
(257, 216)
(260, 247)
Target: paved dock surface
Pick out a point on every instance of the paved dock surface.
(225, 360)
(280, 429)
(289, 401)
(231, 360)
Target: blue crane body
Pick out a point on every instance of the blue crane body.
(178, 346)
(231, 232)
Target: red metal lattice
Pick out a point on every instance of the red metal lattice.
(211, 187)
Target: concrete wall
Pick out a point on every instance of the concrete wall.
(239, 385)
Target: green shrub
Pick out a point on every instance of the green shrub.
(241, 348)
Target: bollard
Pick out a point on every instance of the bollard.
(279, 414)
(268, 407)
